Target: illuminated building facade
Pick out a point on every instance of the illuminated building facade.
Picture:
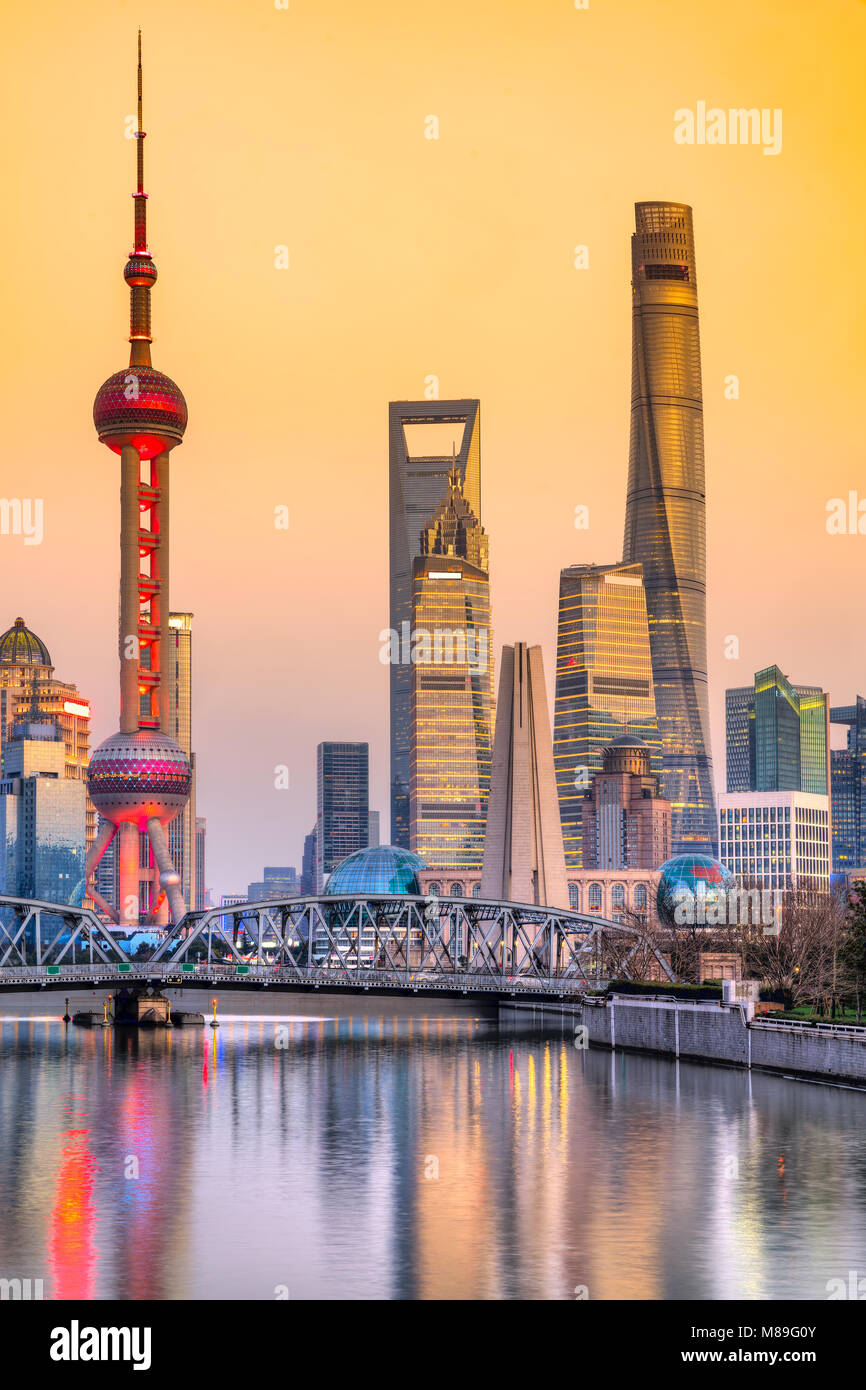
(604, 683)
(626, 823)
(665, 522)
(201, 893)
(181, 831)
(343, 805)
(777, 736)
(452, 686)
(776, 839)
(419, 470)
(29, 690)
(523, 855)
(848, 789)
(308, 864)
(276, 882)
(619, 895)
(42, 818)
(139, 779)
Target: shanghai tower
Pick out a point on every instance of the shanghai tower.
(665, 520)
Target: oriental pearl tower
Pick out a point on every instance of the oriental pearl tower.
(139, 779)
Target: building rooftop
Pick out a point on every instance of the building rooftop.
(21, 647)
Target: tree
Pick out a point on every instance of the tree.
(853, 950)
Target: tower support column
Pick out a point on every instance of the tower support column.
(159, 477)
(130, 472)
(128, 906)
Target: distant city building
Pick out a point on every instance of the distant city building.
(230, 900)
(604, 682)
(419, 484)
(452, 686)
(181, 831)
(343, 804)
(523, 855)
(848, 789)
(105, 875)
(665, 520)
(275, 883)
(308, 865)
(42, 818)
(618, 895)
(739, 737)
(776, 839)
(201, 893)
(626, 823)
(373, 835)
(29, 690)
(777, 736)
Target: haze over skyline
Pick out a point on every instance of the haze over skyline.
(411, 257)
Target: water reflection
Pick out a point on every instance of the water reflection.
(428, 1156)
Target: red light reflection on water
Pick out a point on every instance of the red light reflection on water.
(72, 1251)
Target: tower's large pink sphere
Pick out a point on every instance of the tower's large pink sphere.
(142, 407)
(135, 776)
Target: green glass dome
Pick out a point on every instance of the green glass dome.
(21, 647)
(379, 869)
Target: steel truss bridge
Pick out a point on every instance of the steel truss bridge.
(451, 947)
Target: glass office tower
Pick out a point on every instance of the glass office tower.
(343, 804)
(181, 831)
(42, 818)
(778, 736)
(665, 522)
(848, 788)
(777, 733)
(419, 469)
(604, 682)
(739, 737)
(452, 688)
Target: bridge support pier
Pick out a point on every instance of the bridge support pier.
(139, 1009)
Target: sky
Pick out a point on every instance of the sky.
(307, 128)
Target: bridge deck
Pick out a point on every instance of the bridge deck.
(459, 985)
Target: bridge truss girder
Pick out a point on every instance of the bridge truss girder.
(453, 936)
(42, 933)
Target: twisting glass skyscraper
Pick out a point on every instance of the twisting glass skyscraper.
(665, 521)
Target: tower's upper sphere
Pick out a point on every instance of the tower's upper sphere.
(138, 775)
(142, 407)
(21, 647)
(140, 270)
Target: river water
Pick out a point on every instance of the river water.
(404, 1150)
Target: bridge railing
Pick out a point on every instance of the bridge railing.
(211, 976)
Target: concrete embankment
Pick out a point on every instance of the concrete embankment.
(709, 1032)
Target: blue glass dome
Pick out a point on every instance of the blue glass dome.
(688, 876)
(379, 869)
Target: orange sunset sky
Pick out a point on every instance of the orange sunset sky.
(411, 257)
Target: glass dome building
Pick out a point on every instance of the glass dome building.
(378, 869)
(685, 881)
(21, 647)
